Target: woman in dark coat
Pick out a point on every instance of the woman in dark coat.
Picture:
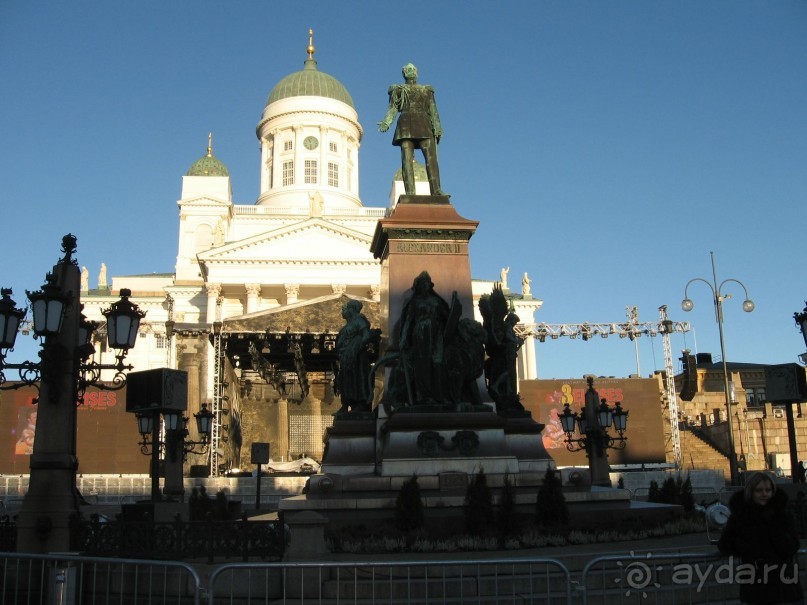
(761, 534)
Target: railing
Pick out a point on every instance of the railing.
(657, 578)
(8, 534)
(667, 578)
(63, 579)
(182, 540)
(421, 582)
(304, 211)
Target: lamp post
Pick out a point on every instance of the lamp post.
(801, 322)
(176, 432)
(718, 297)
(592, 425)
(62, 375)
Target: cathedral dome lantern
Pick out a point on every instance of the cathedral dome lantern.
(310, 135)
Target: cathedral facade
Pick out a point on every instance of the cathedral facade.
(252, 310)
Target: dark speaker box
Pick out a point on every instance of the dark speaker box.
(785, 383)
(689, 385)
(160, 390)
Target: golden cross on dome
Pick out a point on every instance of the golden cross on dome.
(310, 50)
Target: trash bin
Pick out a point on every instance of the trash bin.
(62, 585)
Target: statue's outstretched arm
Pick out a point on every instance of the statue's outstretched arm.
(392, 111)
(384, 124)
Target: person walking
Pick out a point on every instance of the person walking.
(762, 535)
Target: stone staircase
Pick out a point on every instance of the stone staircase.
(698, 453)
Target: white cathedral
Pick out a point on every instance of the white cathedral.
(253, 308)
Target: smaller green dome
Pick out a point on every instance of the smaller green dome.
(208, 165)
(420, 173)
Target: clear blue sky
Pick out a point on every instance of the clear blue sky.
(605, 147)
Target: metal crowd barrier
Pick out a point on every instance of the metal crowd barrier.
(647, 578)
(72, 580)
(414, 582)
(666, 579)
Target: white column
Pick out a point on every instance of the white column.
(282, 430)
(213, 292)
(253, 297)
(277, 163)
(299, 168)
(532, 366)
(324, 146)
(292, 290)
(266, 152)
(351, 186)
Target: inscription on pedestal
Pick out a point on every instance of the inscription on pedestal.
(453, 481)
(430, 247)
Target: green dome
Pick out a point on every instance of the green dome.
(208, 165)
(310, 82)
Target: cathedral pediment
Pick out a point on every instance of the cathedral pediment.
(313, 240)
(203, 201)
(318, 315)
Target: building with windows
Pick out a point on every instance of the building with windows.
(761, 438)
(253, 307)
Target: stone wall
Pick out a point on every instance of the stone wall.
(759, 433)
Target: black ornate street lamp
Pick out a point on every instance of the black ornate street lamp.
(50, 306)
(176, 433)
(748, 305)
(592, 426)
(62, 376)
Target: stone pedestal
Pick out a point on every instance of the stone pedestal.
(350, 446)
(307, 536)
(423, 233)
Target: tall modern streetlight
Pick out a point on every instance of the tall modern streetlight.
(718, 297)
(62, 375)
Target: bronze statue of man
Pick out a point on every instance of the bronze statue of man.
(418, 127)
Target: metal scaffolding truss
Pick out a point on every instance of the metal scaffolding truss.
(218, 391)
(585, 331)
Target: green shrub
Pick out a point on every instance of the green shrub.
(409, 507)
(653, 493)
(668, 494)
(506, 521)
(685, 495)
(674, 490)
(478, 505)
(550, 507)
